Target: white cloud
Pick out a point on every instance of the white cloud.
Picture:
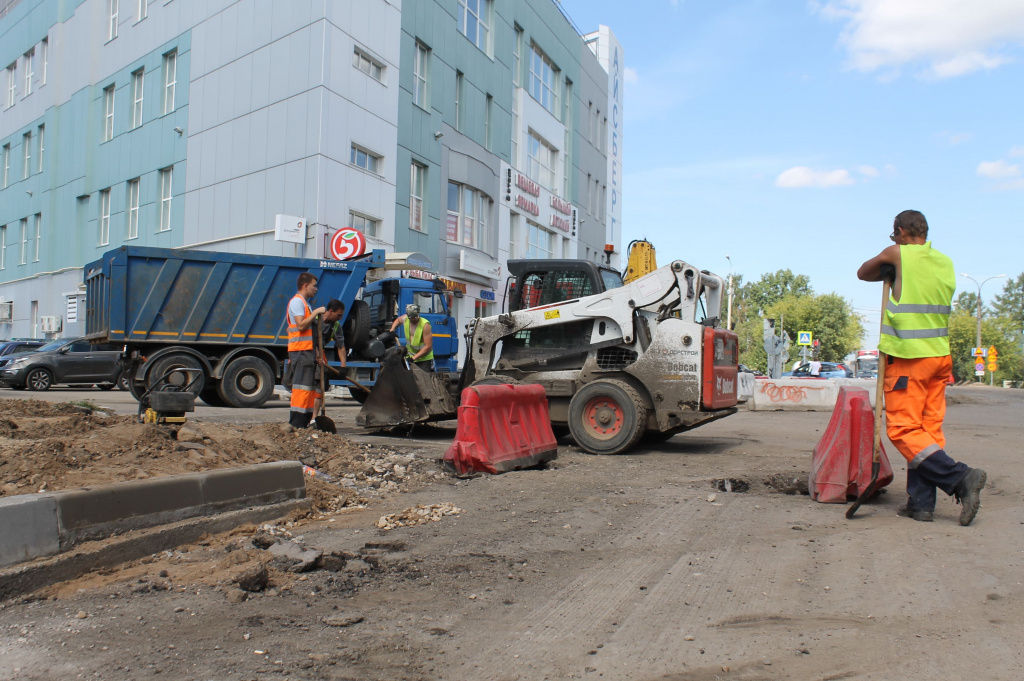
(868, 171)
(997, 169)
(955, 138)
(1017, 151)
(951, 37)
(802, 176)
(630, 75)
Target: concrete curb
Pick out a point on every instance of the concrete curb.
(803, 394)
(38, 525)
(90, 556)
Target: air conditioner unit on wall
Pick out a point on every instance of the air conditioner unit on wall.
(6, 312)
(50, 323)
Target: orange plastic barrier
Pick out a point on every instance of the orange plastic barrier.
(841, 463)
(502, 428)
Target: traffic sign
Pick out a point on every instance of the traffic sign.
(804, 338)
(993, 367)
(992, 351)
(347, 243)
(978, 352)
(979, 368)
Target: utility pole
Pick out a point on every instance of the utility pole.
(998, 276)
(728, 318)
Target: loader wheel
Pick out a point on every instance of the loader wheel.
(607, 417)
(357, 326)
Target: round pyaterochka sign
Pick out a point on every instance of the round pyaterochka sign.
(347, 243)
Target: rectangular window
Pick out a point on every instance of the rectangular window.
(458, 100)
(170, 79)
(3, 247)
(104, 235)
(112, 7)
(26, 143)
(421, 64)
(24, 241)
(603, 144)
(165, 199)
(368, 65)
(515, 129)
(488, 121)
(597, 129)
(42, 137)
(46, 58)
(483, 308)
(540, 162)
(517, 49)
(7, 165)
(543, 80)
(143, 10)
(467, 216)
(540, 243)
(12, 75)
(138, 81)
(108, 113)
(474, 22)
(368, 226)
(604, 202)
(365, 159)
(133, 209)
(38, 236)
(417, 192)
(30, 68)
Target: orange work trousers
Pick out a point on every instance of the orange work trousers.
(915, 405)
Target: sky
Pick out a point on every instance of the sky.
(789, 133)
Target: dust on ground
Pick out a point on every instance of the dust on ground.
(48, 446)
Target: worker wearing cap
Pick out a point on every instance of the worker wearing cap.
(302, 375)
(915, 343)
(419, 339)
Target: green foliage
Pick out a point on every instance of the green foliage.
(771, 288)
(967, 302)
(829, 316)
(1010, 303)
(1002, 332)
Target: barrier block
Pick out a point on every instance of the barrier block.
(841, 462)
(28, 528)
(794, 394)
(502, 428)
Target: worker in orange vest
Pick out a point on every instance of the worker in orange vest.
(302, 376)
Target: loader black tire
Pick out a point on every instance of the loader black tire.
(357, 326)
(607, 417)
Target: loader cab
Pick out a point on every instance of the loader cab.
(387, 300)
(542, 282)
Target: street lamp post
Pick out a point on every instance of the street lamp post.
(728, 318)
(998, 276)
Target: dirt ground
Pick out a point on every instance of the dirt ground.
(648, 566)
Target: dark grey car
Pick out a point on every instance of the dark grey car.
(65, 361)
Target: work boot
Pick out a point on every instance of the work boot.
(916, 514)
(968, 494)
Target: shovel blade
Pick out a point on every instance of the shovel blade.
(869, 491)
(326, 424)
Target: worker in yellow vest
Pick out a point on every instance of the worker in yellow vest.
(419, 339)
(914, 345)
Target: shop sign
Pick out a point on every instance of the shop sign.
(476, 263)
(525, 196)
(486, 295)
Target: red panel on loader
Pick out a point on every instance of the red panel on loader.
(841, 463)
(502, 428)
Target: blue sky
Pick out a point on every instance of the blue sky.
(788, 133)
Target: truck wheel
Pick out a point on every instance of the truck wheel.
(136, 388)
(212, 397)
(170, 363)
(607, 417)
(39, 379)
(357, 326)
(247, 382)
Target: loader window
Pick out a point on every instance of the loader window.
(545, 288)
(563, 346)
(611, 279)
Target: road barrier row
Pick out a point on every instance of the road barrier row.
(803, 394)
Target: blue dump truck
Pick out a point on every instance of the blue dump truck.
(222, 315)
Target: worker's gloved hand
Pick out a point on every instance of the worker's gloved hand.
(889, 272)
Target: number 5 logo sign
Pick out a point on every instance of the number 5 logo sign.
(347, 243)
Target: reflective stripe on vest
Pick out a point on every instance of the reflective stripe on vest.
(414, 342)
(299, 340)
(918, 324)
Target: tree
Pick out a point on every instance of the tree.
(829, 316)
(967, 302)
(771, 288)
(1010, 303)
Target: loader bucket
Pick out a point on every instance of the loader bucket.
(405, 394)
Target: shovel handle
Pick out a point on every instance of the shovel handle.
(876, 452)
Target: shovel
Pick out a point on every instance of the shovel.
(876, 453)
(349, 378)
(323, 422)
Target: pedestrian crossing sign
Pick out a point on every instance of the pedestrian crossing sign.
(804, 338)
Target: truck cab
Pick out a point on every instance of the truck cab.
(387, 300)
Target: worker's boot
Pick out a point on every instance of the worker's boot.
(968, 494)
(906, 511)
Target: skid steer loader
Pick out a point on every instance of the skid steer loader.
(646, 357)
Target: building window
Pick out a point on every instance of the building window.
(138, 80)
(3, 247)
(143, 10)
(104, 217)
(543, 80)
(601, 209)
(365, 159)
(108, 113)
(488, 121)
(515, 130)
(517, 50)
(417, 192)
(368, 226)
(26, 142)
(112, 7)
(133, 209)
(7, 164)
(12, 74)
(24, 241)
(165, 199)
(540, 161)
(38, 236)
(474, 21)
(30, 67)
(459, 78)
(42, 137)
(467, 216)
(170, 79)
(540, 243)
(420, 66)
(483, 308)
(371, 67)
(46, 58)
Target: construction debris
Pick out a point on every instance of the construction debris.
(417, 515)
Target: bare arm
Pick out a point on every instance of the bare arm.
(395, 324)
(339, 345)
(307, 321)
(872, 269)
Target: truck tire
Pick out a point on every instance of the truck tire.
(211, 396)
(607, 417)
(247, 382)
(39, 379)
(169, 363)
(357, 326)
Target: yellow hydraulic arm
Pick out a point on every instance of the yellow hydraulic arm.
(641, 260)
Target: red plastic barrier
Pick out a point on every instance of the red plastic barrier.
(502, 428)
(841, 463)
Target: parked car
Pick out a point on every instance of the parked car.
(828, 370)
(745, 369)
(66, 361)
(16, 347)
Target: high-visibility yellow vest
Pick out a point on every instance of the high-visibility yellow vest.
(299, 340)
(414, 342)
(917, 325)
